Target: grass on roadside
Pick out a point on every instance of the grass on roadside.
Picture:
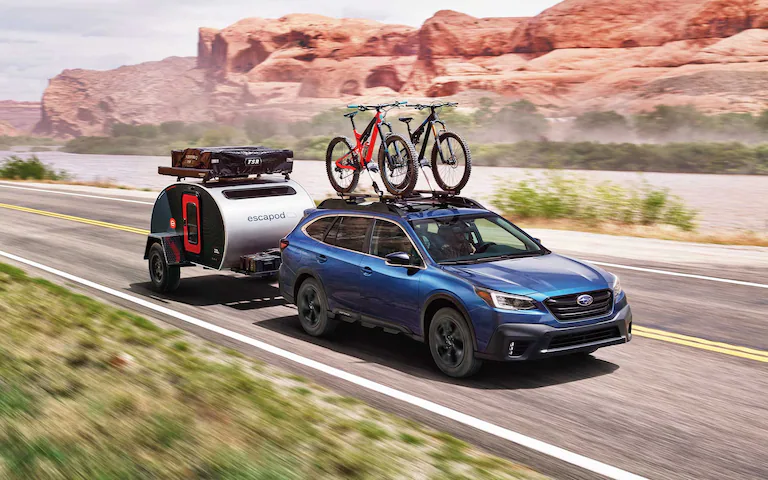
(32, 168)
(556, 196)
(89, 391)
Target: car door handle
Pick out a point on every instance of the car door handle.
(367, 271)
(322, 259)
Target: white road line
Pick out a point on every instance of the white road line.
(59, 192)
(602, 264)
(678, 274)
(487, 427)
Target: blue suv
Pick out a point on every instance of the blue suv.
(448, 272)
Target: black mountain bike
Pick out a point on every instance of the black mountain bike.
(451, 159)
(344, 160)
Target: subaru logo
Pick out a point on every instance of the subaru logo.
(585, 300)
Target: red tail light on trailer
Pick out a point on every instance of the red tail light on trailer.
(283, 244)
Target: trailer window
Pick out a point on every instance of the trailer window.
(192, 223)
(259, 192)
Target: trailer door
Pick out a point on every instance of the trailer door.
(190, 205)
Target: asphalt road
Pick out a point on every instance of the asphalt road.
(651, 407)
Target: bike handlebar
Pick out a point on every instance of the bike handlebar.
(363, 108)
(421, 106)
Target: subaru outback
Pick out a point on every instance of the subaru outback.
(450, 273)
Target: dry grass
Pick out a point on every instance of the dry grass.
(661, 232)
(88, 391)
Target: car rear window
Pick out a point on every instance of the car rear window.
(349, 233)
(318, 228)
(259, 192)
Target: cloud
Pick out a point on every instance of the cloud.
(41, 38)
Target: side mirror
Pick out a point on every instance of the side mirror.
(398, 259)
(538, 240)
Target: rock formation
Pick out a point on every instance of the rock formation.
(18, 118)
(578, 55)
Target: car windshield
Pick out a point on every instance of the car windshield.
(474, 238)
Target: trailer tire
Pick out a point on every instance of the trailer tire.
(165, 278)
(313, 309)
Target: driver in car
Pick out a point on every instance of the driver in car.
(456, 240)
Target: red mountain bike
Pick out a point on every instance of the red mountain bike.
(397, 155)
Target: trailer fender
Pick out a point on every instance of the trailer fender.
(173, 247)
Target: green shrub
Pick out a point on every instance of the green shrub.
(8, 141)
(672, 157)
(17, 168)
(312, 148)
(556, 196)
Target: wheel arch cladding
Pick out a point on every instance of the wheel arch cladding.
(301, 276)
(444, 300)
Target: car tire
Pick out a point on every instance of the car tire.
(165, 278)
(313, 309)
(451, 344)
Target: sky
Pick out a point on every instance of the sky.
(40, 38)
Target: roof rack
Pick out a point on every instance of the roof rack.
(391, 204)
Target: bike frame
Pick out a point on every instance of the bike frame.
(373, 131)
(431, 120)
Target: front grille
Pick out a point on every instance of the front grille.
(567, 309)
(575, 339)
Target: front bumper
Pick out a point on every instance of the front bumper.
(531, 341)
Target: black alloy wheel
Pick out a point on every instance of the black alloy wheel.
(451, 344)
(313, 310)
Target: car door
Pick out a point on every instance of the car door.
(390, 293)
(340, 263)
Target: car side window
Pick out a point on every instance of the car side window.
(388, 237)
(318, 228)
(349, 233)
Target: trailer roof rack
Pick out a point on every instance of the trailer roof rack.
(399, 205)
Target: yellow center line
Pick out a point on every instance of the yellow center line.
(640, 331)
(87, 221)
(685, 338)
(731, 350)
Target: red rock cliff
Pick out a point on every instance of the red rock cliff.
(580, 54)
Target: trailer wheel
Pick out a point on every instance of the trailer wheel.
(313, 309)
(165, 278)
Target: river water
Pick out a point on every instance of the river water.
(723, 201)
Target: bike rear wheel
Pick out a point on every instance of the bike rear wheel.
(400, 172)
(452, 170)
(343, 180)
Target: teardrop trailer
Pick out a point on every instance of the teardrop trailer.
(233, 218)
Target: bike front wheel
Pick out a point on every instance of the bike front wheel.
(342, 165)
(397, 164)
(451, 162)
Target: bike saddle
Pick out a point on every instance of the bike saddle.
(351, 114)
(405, 119)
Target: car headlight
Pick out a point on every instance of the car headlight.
(505, 301)
(616, 287)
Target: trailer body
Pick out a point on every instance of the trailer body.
(234, 225)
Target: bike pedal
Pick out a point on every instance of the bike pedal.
(424, 162)
(372, 167)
